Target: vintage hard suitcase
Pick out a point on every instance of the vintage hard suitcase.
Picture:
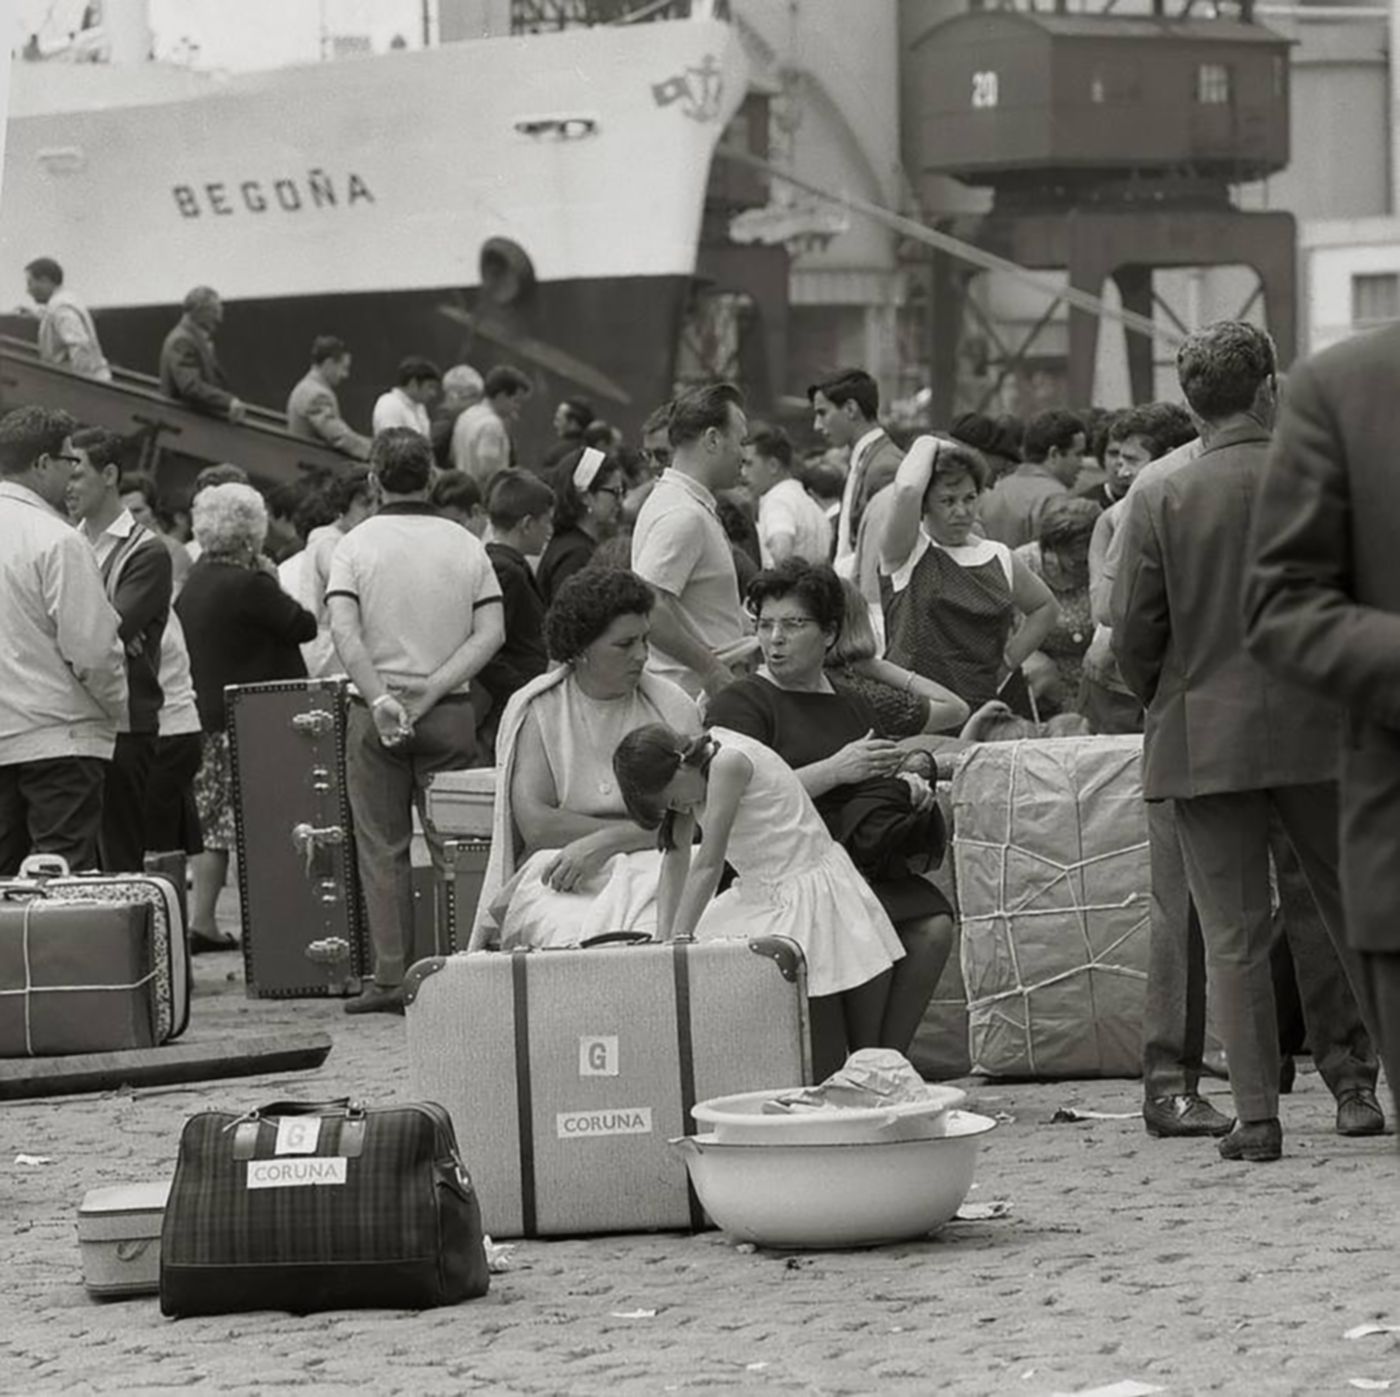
(1050, 841)
(303, 920)
(76, 976)
(170, 952)
(119, 1239)
(566, 1072)
(313, 1206)
(463, 802)
(444, 904)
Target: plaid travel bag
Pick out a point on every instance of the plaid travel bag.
(307, 1206)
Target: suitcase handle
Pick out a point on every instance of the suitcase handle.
(45, 866)
(618, 938)
(336, 1106)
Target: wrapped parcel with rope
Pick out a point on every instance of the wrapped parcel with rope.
(1050, 844)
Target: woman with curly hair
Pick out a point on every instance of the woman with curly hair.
(567, 860)
(241, 628)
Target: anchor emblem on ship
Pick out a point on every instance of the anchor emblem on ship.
(700, 90)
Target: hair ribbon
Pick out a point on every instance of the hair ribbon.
(589, 464)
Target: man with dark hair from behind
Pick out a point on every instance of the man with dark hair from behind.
(481, 440)
(846, 412)
(1230, 745)
(67, 335)
(521, 510)
(680, 548)
(418, 382)
(189, 367)
(313, 410)
(1053, 452)
(415, 612)
(138, 580)
(62, 667)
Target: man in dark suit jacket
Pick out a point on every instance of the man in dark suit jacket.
(845, 410)
(189, 368)
(1323, 604)
(1225, 739)
(137, 576)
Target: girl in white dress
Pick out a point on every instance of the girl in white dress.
(794, 879)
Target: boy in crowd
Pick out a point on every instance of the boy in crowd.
(790, 522)
(520, 507)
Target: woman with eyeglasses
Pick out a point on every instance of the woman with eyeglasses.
(587, 511)
(830, 736)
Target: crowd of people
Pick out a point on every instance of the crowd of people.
(702, 666)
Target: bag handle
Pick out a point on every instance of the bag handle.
(335, 1106)
(23, 892)
(45, 866)
(618, 938)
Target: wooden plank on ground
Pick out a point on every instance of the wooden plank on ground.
(25, 1077)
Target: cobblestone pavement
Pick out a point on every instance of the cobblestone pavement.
(1122, 1258)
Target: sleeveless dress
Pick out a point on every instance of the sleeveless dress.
(794, 880)
(580, 735)
(948, 615)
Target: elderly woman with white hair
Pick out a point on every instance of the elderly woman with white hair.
(241, 628)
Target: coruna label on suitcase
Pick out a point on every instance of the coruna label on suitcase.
(574, 1125)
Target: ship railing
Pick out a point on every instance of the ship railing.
(174, 438)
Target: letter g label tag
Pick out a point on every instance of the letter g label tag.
(298, 1134)
(598, 1057)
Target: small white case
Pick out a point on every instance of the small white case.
(119, 1239)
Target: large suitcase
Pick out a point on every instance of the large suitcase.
(1050, 842)
(315, 1206)
(76, 976)
(566, 1072)
(444, 904)
(303, 921)
(169, 950)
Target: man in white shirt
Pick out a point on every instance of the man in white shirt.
(481, 443)
(680, 550)
(62, 670)
(791, 524)
(407, 404)
(415, 612)
(67, 335)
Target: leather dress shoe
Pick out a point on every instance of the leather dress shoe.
(377, 999)
(1170, 1117)
(1359, 1113)
(1254, 1142)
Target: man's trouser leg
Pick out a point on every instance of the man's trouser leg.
(444, 739)
(1174, 1007)
(124, 803)
(62, 799)
(380, 779)
(1380, 995)
(1305, 823)
(14, 822)
(1225, 839)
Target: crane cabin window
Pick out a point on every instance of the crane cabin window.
(1375, 299)
(1213, 85)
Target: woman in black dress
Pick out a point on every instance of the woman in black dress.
(828, 734)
